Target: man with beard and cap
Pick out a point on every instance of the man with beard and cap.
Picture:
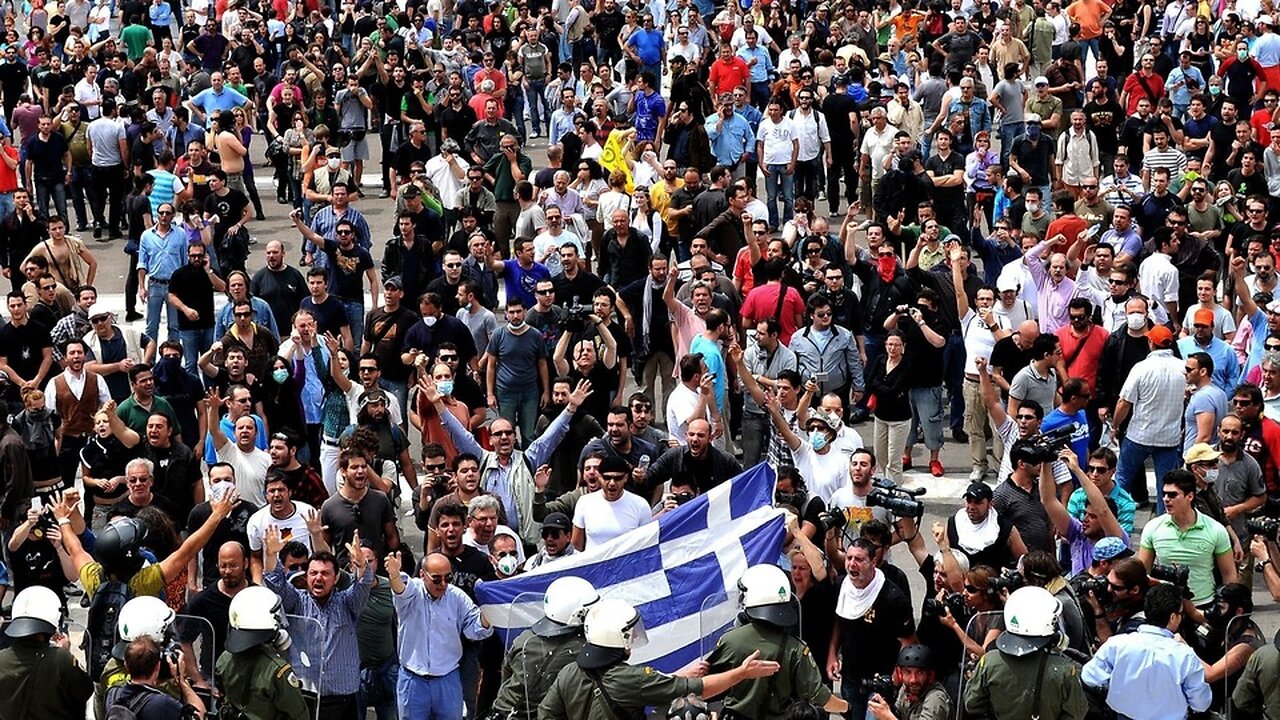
(557, 529)
(1027, 677)
(253, 672)
(920, 697)
(393, 445)
(31, 667)
(601, 685)
(769, 616)
(539, 654)
(112, 350)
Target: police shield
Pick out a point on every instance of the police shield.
(717, 615)
(306, 655)
(196, 638)
(520, 694)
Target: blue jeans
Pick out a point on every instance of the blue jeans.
(851, 691)
(539, 114)
(1131, 472)
(779, 179)
(378, 690)
(423, 698)
(1085, 47)
(52, 190)
(926, 410)
(157, 302)
(520, 406)
(6, 206)
(194, 344)
(401, 391)
(355, 318)
(1008, 133)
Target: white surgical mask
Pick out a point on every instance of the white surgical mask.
(507, 564)
(818, 439)
(334, 163)
(430, 320)
(1135, 321)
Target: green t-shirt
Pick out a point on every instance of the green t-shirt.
(135, 38)
(1198, 548)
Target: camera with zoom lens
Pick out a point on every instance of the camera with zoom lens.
(952, 601)
(832, 519)
(1045, 446)
(881, 685)
(1268, 528)
(577, 319)
(1100, 586)
(1011, 579)
(899, 501)
(1176, 575)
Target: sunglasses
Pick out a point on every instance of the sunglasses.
(243, 314)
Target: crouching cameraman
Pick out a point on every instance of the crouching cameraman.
(919, 694)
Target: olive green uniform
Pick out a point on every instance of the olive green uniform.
(261, 684)
(529, 668)
(573, 695)
(114, 675)
(934, 704)
(1004, 687)
(798, 678)
(38, 680)
(1258, 691)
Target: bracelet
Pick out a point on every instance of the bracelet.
(64, 521)
(1259, 567)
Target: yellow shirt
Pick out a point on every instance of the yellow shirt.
(660, 199)
(147, 582)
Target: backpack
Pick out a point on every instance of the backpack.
(100, 627)
(117, 710)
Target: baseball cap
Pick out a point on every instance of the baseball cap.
(557, 521)
(393, 281)
(1160, 336)
(1264, 20)
(1031, 118)
(1200, 452)
(1111, 548)
(978, 490)
(1203, 316)
(952, 238)
(1273, 306)
(1041, 80)
(97, 310)
(1005, 283)
(412, 191)
(613, 464)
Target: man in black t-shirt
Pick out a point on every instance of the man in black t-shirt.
(26, 351)
(946, 169)
(232, 210)
(872, 618)
(347, 263)
(232, 530)
(191, 291)
(213, 603)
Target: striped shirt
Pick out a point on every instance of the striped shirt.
(1172, 158)
(338, 618)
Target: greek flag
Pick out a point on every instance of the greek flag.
(680, 572)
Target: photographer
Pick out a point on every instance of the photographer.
(1013, 426)
(791, 493)
(920, 696)
(1041, 569)
(943, 573)
(1016, 499)
(142, 658)
(924, 344)
(1226, 639)
(1119, 608)
(850, 507)
(1099, 514)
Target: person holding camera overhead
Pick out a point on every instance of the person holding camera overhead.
(924, 344)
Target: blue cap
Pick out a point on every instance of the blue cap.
(1110, 548)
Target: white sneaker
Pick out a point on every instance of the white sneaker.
(977, 475)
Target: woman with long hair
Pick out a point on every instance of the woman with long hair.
(888, 385)
(245, 130)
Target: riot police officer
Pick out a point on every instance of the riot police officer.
(539, 653)
(39, 679)
(602, 686)
(1028, 677)
(256, 679)
(770, 615)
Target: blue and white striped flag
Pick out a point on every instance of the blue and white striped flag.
(680, 572)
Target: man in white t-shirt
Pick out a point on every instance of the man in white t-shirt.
(778, 147)
(250, 461)
(611, 511)
(981, 327)
(693, 398)
(295, 520)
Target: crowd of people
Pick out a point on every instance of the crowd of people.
(1052, 233)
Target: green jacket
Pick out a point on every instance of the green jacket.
(1004, 687)
(528, 670)
(1257, 693)
(261, 684)
(41, 681)
(573, 695)
(763, 698)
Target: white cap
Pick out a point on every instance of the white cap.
(1031, 118)
(1040, 80)
(96, 310)
(1264, 20)
(1005, 283)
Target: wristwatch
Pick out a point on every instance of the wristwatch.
(1259, 567)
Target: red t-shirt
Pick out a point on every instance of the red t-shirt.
(9, 177)
(1082, 362)
(762, 302)
(1070, 226)
(725, 76)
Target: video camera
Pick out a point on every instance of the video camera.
(1100, 586)
(1045, 446)
(1268, 528)
(897, 500)
(881, 685)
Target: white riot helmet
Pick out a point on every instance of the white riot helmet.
(36, 611)
(255, 618)
(142, 617)
(564, 607)
(766, 596)
(612, 628)
(1030, 621)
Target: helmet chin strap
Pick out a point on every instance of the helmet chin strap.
(282, 641)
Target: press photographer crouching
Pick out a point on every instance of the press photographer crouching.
(918, 696)
(1111, 588)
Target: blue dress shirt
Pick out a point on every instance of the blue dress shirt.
(429, 640)
(1149, 674)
